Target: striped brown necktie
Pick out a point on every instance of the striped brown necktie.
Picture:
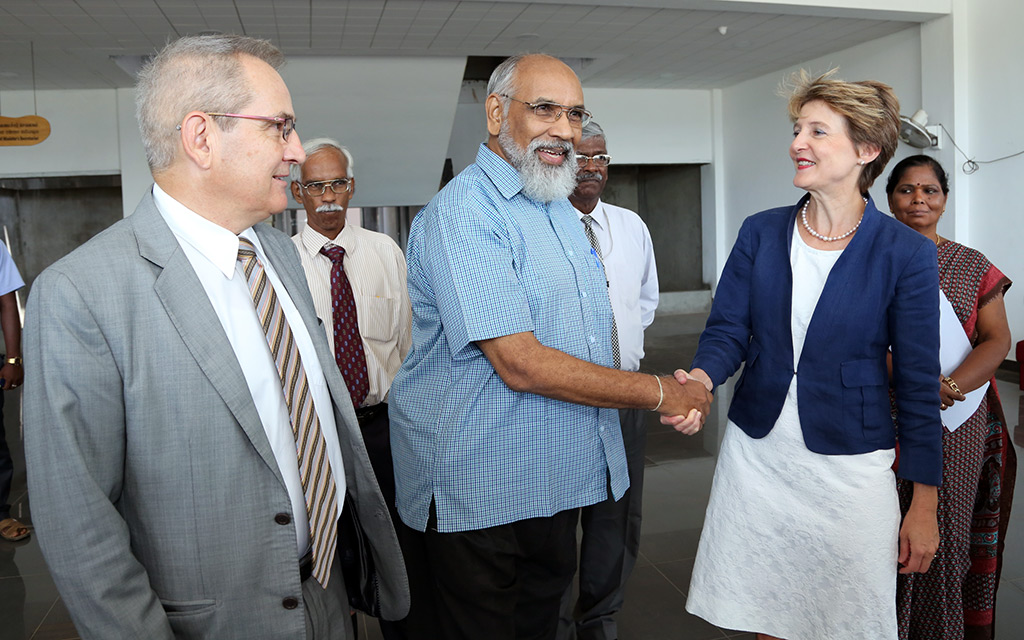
(314, 467)
(588, 228)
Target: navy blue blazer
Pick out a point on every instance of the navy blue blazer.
(882, 292)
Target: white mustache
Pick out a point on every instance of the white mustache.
(589, 175)
(329, 208)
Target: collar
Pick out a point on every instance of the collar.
(504, 176)
(598, 214)
(313, 240)
(214, 242)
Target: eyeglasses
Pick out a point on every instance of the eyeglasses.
(601, 160)
(341, 185)
(552, 111)
(284, 125)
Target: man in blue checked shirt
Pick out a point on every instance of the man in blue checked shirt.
(503, 415)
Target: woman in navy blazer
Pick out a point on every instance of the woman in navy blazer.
(803, 536)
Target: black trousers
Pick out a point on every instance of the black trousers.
(610, 545)
(421, 623)
(504, 582)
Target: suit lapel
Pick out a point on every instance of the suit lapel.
(188, 308)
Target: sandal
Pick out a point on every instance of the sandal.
(12, 530)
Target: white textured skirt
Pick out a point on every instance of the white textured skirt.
(796, 544)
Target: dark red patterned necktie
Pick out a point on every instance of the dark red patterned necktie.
(348, 345)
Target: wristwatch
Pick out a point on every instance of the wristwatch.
(16, 361)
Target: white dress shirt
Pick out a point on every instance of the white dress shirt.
(632, 276)
(213, 252)
(375, 267)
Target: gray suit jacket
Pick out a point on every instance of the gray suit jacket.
(156, 497)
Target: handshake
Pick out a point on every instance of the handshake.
(686, 404)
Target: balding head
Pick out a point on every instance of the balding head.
(538, 142)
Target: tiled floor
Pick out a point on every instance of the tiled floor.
(678, 480)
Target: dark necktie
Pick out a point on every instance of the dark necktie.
(311, 449)
(588, 228)
(348, 345)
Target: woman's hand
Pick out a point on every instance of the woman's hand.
(692, 422)
(947, 395)
(919, 535)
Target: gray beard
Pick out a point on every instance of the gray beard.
(542, 182)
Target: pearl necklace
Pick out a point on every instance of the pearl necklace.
(803, 218)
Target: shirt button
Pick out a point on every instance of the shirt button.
(593, 339)
(600, 429)
(571, 254)
(583, 293)
(290, 603)
(283, 518)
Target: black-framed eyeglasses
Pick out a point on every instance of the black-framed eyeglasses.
(285, 125)
(552, 111)
(601, 160)
(339, 186)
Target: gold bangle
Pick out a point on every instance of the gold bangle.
(661, 390)
(952, 384)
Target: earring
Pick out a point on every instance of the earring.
(860, 162)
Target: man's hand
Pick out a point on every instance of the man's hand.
(689, 403)
(12, 375)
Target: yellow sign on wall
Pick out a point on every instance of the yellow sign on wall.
(23, 131)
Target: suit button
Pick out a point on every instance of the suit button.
(290, 603)
(283, 518)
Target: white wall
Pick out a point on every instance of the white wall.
(995, 102)
(653, 126)
(756, 129)
(394, 114)
(83, 134)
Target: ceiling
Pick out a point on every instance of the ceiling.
(69, 44)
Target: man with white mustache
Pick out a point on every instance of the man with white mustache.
(369, 347)
(611, 528)
(503, 414)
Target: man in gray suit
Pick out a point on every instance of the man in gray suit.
(189, 444)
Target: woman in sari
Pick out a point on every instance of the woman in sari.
(956, 598)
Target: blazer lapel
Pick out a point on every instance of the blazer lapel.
(836, 293)
(185, 302)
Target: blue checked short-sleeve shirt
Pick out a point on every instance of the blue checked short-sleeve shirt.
(485, 261)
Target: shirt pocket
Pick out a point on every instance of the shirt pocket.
(378, 317)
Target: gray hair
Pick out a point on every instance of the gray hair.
(194, 73)
(319, 144)
(503, 78)
(592, 130)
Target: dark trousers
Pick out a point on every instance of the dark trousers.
(6, 467)
(504, 582)
(611, 542)
(421, 623)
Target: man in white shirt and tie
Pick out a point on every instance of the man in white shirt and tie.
(611, 530)
(357, 278)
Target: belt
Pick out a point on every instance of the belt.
(306, 566)
(366, 415)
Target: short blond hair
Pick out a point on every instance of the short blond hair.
(870, 109)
